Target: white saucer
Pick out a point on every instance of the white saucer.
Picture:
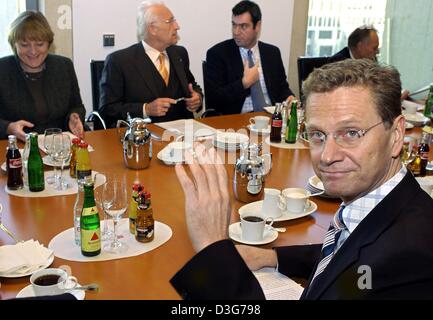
(19, 275)
(230, 141)
(270, 110)
(164, 156)
(315, 182)
(3, 167)
(255, 208)
(235, 233)
(409, 126)
(28, 292)
(259, 131)
(417, 119)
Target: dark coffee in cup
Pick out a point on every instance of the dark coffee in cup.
(252, 219)
(47, 280)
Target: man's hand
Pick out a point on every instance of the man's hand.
(257, 258)
(75, 125)
(207, 200)
(159, 107)
(251, 75)
(289, 100)
(193, 103)
(17, 129)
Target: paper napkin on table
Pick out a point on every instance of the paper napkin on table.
(23, 257)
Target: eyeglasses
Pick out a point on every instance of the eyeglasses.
(346, 138)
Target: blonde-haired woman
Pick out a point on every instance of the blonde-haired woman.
(38, 90)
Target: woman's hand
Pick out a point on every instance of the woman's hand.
(17, 129)
(76, 126)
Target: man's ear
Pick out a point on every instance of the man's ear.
(398, 130)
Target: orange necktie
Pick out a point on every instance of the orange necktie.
(162, 69)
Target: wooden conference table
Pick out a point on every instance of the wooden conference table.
(147, 276)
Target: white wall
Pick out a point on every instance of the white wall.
(203, 23)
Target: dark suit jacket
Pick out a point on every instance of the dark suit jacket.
(340, 55)
(60, 88)
(127, 83)
(224, 72)
(395, 241)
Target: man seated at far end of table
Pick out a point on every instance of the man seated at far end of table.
(382, 229)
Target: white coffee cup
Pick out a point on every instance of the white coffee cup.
(296, 199)
(273, 203)
(426, 184)
(253, 226)
(52, 281)
(176, 150)
(260, 122)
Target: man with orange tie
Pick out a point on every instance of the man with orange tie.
(147, 79)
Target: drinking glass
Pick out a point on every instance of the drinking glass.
(115, 202)
(106, 234)
(61, 153)
(407, 154)
(48, 141)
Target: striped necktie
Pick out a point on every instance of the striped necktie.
(257, 96)
(162, 69)
(330, 242)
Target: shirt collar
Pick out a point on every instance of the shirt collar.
(356, 211)
(152, 52)
(255, 50)
(351, 54)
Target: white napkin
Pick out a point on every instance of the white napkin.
(23, 257)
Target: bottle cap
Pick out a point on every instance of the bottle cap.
(83, 145)
(76, 141)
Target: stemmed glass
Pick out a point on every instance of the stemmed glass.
(106, 234)
(61, 153)
(115, 202)
(407, 155)
(48, 141)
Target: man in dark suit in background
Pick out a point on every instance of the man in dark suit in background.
(363, 43)
(232, 81)
(380, 243)
(147, 78)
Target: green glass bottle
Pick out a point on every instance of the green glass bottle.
(429, 103)
(292, 124)
(35, 166)
(90, 227)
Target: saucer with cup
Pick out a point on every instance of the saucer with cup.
(260, 125)
(174, 152)
(49, 282)
(253, 229)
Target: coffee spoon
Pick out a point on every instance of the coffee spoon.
(88, 287)
(278, 229)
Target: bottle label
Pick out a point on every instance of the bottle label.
(15, 163)
(277, 123)
(90, 240)
(89, 211)
(424, 155)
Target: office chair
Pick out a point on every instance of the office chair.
(306, 65)
(94, 120)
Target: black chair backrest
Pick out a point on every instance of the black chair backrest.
(204, 69)
(96, 67)
(306, 65)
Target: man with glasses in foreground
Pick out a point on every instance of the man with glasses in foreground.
(380, 242)
(149, 78)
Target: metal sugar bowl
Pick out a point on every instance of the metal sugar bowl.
(137, 142)
(250, 172)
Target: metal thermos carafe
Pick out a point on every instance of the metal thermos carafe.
(137, 143)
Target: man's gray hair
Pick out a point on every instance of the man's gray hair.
(145, 17)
